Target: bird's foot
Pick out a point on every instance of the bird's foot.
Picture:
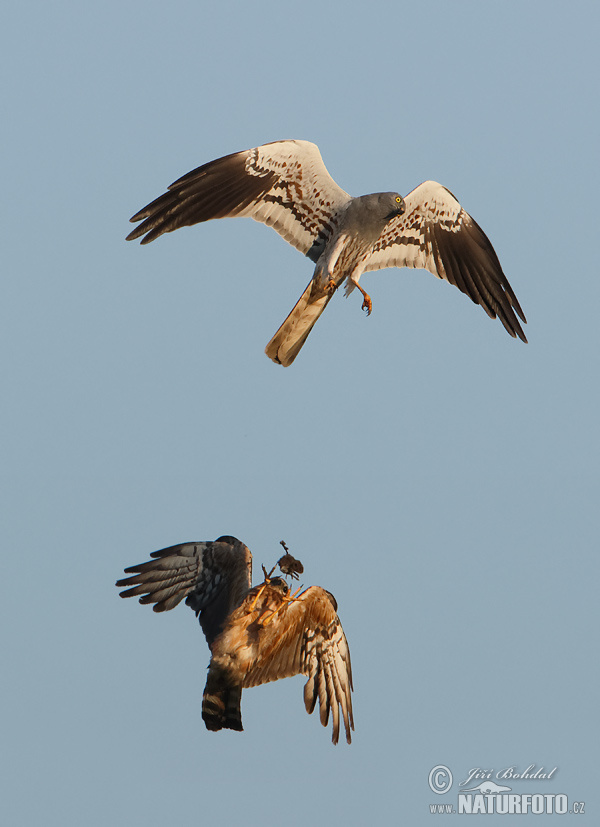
(267, 575)
(331, 286)
(256, 598)
(291, 597)
(367, 303)
(287, 599)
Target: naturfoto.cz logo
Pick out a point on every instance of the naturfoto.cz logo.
(480, 793)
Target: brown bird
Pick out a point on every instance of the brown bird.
(255, 635)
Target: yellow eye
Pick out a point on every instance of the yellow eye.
(398, 199)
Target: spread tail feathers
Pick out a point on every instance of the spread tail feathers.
(221, 704)
(287, 342)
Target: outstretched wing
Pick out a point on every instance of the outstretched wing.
(306, 637)
(213, 577)
(435, 233)
(283, 184)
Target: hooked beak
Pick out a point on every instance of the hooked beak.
(399, 211)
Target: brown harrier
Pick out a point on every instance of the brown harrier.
(285, 185)
(255, 635)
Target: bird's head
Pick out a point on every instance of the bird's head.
(367, 215)
(279, 584)
(392, 204)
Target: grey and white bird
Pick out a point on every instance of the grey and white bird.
(285, 185)
(255, 635)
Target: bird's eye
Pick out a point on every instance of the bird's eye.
(398, 199)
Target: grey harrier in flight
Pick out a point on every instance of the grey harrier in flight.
(285, 185)
(255, 635)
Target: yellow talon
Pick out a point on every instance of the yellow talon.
(367, 303)
(286, 599)
(258, 594)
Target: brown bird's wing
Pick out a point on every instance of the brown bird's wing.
(213, 577)
(284, 184)
(306, 637)
(436, 234)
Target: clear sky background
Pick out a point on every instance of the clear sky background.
(439, 477)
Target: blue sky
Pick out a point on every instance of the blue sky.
(439, 477)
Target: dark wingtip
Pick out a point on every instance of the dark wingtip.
(133, 234)
(515, 330)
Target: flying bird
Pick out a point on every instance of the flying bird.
(255, 635)
(285, 185)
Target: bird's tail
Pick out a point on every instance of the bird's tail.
(287, 342)
(221, 703)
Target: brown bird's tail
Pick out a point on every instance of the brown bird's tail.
(287, 342)
(221, 703)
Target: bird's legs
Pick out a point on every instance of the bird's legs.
(258, 594)
(367, 303)
(262, 588)
(268, 575)
(352, 282)
(323, 279)
(288, 598)
(323, 275)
